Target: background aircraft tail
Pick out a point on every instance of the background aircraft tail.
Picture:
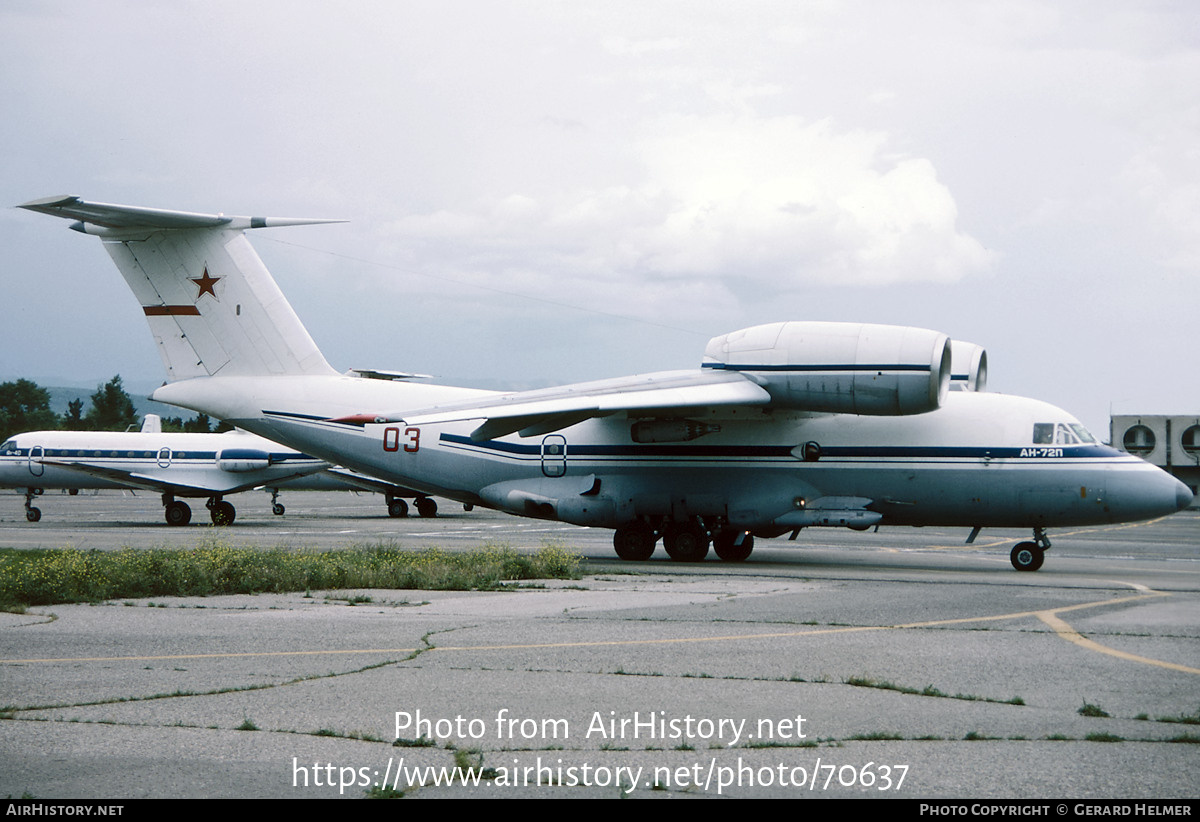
(212, 306)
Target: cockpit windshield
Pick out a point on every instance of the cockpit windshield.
(1050, 433)
(8, 447)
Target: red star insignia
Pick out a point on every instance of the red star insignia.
(206, 284)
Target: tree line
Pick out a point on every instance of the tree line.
(25, 406)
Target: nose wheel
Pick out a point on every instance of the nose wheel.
(1029, 556)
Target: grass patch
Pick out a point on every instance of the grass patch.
(419, 742)
(47, 577)
(247, 725)
(876, 736)
(1103, 738)
(384, 792)
(1088, 709)
(928, 690)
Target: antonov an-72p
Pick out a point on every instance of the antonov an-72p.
(783, 426)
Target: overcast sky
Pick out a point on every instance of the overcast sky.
(544, 192)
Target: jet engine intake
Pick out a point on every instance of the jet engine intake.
(968, 366)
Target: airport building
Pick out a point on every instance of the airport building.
(1172, 442)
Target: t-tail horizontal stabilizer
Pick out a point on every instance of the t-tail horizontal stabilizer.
(211, 304)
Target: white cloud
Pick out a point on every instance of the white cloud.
(717, 199)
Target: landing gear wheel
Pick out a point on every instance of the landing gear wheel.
(277, 509)
(725, 544)
(177, 513)
(222, 513)
(397, 508)
(634, 541)
(33, 514)
(1027, 556)
(426, 507)
(468, 507)
(686, 543)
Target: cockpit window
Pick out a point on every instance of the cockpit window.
(1083, 434)
(1049, 433)
(8, 447)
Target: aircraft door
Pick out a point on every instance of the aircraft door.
(35, 460)
(554, 455)
(164, 457)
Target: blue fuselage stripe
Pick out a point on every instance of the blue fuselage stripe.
(778, 451)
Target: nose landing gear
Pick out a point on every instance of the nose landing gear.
(1029, 556)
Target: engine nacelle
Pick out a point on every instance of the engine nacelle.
(845, 368)
(238, 460)
(968, 364)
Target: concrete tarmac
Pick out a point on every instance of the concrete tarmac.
(894, 664)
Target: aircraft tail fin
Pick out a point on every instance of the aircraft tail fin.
(211, 304)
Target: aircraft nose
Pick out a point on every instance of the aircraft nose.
(1183, 496)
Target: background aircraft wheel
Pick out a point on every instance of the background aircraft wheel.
(468, 507)
(178, 513)
(397, 508)
(634, 541)
(426, 507)
(73, 492)
(33, 514)
(724, 542)
(222, 513)
(686, 543)
(277, 509)
(1027, 556)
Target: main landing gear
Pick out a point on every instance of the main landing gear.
(1029, 556)
(683, 541)
(32, 514)
(426, 506)
(177, 512)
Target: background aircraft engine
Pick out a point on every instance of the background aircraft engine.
(237, 460)
(840, 368)
(968, 366)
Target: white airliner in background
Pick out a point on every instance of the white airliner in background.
(783, 426)
(208, 466)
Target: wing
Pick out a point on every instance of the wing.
(543, 410)
(182, 483)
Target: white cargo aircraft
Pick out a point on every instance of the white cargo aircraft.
(177, 465)
(783, 426)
